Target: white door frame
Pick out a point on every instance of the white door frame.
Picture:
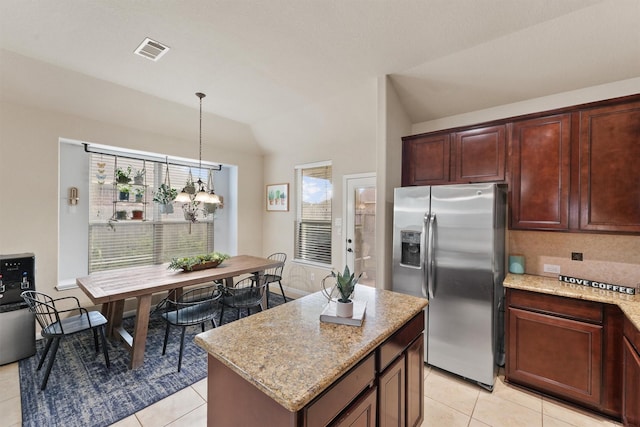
(348, 211)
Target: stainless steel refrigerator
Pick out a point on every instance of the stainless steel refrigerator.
(449, 247)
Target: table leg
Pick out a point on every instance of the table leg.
(140, 332)
(113, 312)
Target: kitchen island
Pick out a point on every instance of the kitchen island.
(283, 367)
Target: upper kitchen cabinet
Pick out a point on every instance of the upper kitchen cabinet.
(478, 155)
(473, 155)
(609, 149)
(540, 161)
(425, 160)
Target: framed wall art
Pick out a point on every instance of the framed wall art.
(277, 197)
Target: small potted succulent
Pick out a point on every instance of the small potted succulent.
(123, 176)
(345, 283)
(138, 178)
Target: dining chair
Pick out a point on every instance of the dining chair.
(274, 275)
(192, 307)
(48, 313)
(246, 293)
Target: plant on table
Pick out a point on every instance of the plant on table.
(188, 263)
(346, 283)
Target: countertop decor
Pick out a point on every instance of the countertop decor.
(292, 357)
(198, 262)
(629, 304)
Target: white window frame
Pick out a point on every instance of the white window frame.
(314, 259)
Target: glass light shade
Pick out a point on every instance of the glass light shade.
(202, 196)
(213, 198)
(183, 197)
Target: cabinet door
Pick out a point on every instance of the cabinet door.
(609, 170)
(556, 355)
(540, 161)
(391, 395)
(631, 399)
(362, 413)
(479, 155)
(425, 160)
(415, 382)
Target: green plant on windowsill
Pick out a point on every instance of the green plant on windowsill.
(198, 262)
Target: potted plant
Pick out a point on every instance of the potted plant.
(121, 215)
(139, 192)
(124, 190)
(198, 262)
(345, 283)
(137, 214)
(164, 195)
(123, 176)
(138, 178)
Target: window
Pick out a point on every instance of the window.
(313, 213)
(125, 230)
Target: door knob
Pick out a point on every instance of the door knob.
(349, 250)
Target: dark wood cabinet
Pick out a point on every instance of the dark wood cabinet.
(609, 151)
(631, 376)
(415, 382)
(425, 160)
(391, 395)
(478, 155)
(540, 161)
(362, 413)
(566, 348)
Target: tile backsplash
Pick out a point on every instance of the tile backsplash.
(607, 258)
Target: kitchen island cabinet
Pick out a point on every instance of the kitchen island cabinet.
(566, 340)
(283, 367)
(631, 376)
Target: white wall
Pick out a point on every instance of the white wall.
(343, 130)
(29, 192)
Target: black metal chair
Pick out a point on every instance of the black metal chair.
(274, 275)
(194, 307)
(244, 294)
(54, 327)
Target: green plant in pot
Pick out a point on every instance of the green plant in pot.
(124, 192)
(138, 178)
(139, 192)
(345, 283)
(123, 176)
(165, 195)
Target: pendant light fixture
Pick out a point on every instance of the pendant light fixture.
(203, 194)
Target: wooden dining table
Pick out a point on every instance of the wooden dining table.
(111, 288)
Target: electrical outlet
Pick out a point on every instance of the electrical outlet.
(551, 268)
(576, 256)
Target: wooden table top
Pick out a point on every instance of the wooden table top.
(115, 285)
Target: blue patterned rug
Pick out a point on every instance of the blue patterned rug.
(83, 392)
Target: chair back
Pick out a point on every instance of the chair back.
(43, 306)
(275, 274)
(193, 307)
(245, 293)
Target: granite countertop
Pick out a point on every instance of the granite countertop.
(291, 356)
(629, 304)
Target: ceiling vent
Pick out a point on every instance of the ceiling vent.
(151, 49)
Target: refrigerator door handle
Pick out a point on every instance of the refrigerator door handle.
(430, 256)
(425, 280)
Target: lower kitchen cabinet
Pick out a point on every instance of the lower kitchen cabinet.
(565, 347)
(362, 413)
(392, 395)
(631, 376)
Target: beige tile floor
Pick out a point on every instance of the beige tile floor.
(448, 401)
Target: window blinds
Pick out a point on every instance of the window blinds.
(313, 225)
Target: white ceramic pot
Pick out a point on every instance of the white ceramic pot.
(344, 309)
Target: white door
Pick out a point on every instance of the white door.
(360, 226)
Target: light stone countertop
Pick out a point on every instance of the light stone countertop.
(292, 357)
(629, 304)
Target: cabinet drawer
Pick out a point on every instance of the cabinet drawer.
(632, 334)
(397, 342)
(588, 311)
(328, 405)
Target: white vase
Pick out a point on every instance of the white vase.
(344, 309)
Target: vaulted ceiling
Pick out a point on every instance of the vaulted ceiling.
(257, 59)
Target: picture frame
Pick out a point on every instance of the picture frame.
(277, 197)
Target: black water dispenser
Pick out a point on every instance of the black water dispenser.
(17, 323)
(410, 248)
